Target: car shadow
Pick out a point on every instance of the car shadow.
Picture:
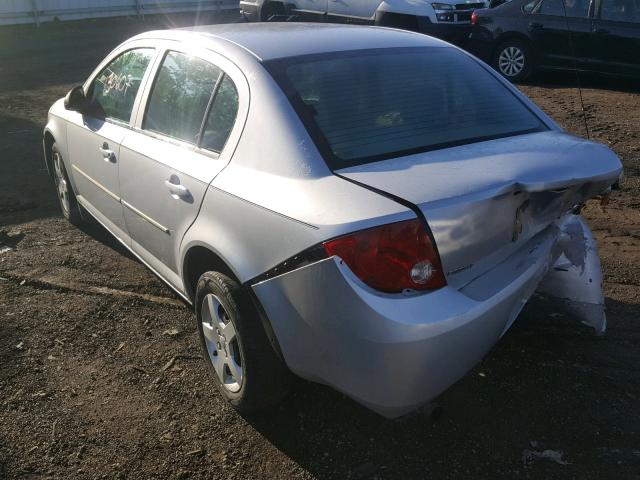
(548, 384)
(91, 227)
(568, 79)
(26, 190)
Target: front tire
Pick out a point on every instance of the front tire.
(246, 369)
(66, 196)
(514, 61)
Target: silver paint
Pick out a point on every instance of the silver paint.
(496, 210)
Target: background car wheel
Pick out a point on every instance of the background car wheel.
(513, 60)
(248, 372)
(66, 196)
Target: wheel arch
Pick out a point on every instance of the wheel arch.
(47, 143)
(55, 131)
(200, 258)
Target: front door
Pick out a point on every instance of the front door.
(312, 10)
(616, 34)
(173, 154)
(353, 11)
(94, 137)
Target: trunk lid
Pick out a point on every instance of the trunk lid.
(485, 200)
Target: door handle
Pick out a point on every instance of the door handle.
(107, 154)
(535, 25)
(177, 189)
(601, 31)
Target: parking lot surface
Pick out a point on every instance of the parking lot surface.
(101, 374)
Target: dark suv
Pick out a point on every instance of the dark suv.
(519, 36)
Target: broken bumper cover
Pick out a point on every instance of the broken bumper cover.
(395, 353)
(575, 279)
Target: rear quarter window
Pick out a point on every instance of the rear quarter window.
(364, 106)
(222, 116)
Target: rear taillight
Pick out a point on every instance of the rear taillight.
(474, 18)
(392, 257)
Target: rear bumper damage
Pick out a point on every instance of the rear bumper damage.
(393, 353)
(575, 278)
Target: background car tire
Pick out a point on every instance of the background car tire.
(513, 59)
(66, 196)
(265, 378)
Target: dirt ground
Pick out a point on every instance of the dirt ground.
(101, 375)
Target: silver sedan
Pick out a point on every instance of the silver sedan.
(364, 207)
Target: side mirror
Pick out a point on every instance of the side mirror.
(75, 99)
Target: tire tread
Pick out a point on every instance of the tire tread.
(266, 379)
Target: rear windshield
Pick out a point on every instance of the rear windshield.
(369, 105)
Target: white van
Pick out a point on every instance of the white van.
(446, 19)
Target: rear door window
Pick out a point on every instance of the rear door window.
(551, 7)
(572, 8)
(114, 89)
(180, 96)
(620, 10)
(367, 105)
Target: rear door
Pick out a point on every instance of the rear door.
(562, 41)
(616, 33)
(183, 137)
(94, 137)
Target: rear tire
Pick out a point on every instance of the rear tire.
(246, 369)
(66, 196)
(513, 59)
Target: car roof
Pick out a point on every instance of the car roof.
(270, 40)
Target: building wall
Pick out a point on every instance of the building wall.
(36, 11)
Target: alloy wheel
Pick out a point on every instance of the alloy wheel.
(61, 183)
(222, 343)
(511, 61)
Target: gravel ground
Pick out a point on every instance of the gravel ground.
(101, 376)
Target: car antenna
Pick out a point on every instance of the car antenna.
(575, 64)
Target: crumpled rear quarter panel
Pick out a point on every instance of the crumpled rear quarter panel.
(394, 353)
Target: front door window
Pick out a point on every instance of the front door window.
(114, 89)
